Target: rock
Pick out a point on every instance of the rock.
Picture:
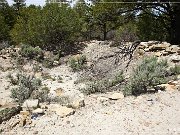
(175, 58)
(56, 63)
(164, 53)
(173, 83)
(64, 111)
(102, 99)
(158, 47)
(30, 104)
(166, 87)
(24, 113)
(38, 111)
(152, 42)
(22, 122)
(14, 123)
(78, 103)
(59, 91)
(158, 54)
(43, 106)
(38, 75)
(116, 96)
(172, 49)
(141, 52)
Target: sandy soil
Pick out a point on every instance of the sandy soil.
(145, 115)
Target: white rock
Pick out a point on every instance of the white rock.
(78, 103)
(102, 99)
(38, 111)
(29, 104)
(116, 96)
(175, 58)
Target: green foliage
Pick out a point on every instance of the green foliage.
(41, 94)
(4, 29)
(103, 85)
(127, 33)
(51, 28)
(151, 28)
(26, 85)
(175, 70)
(77, 63)
(148, 74)
(31, 52)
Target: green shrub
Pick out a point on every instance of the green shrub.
(4, 30)
(103, 85)
(175, 70)
(41, 94)
(148, 74)
(48, 62)
(77, 63)
(31, 52)
(26, 85)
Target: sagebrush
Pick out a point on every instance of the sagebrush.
(147, 74)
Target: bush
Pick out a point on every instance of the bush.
(148, 74)
(103, 85)
(41, 94)
(175, 70)
(31, 52)
(26, 85)
(77, 63)
(4, 29)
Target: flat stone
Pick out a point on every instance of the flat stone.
(116, 96)
(38, 111)
(64, 111)
(167, 87)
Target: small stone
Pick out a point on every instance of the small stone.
(116, 96)
(102, 99)
(24, 113)
(35, 132)
(38, 111)
(158, 54)
(56, 63)
(78, 103)
(64, 111)
(59, 91)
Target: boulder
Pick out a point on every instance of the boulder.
(64, 111)
(30, 104)
(116, 96)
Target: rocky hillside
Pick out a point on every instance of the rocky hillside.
(60, 105)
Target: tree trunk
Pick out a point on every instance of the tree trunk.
(175, 25)
(104, 31)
